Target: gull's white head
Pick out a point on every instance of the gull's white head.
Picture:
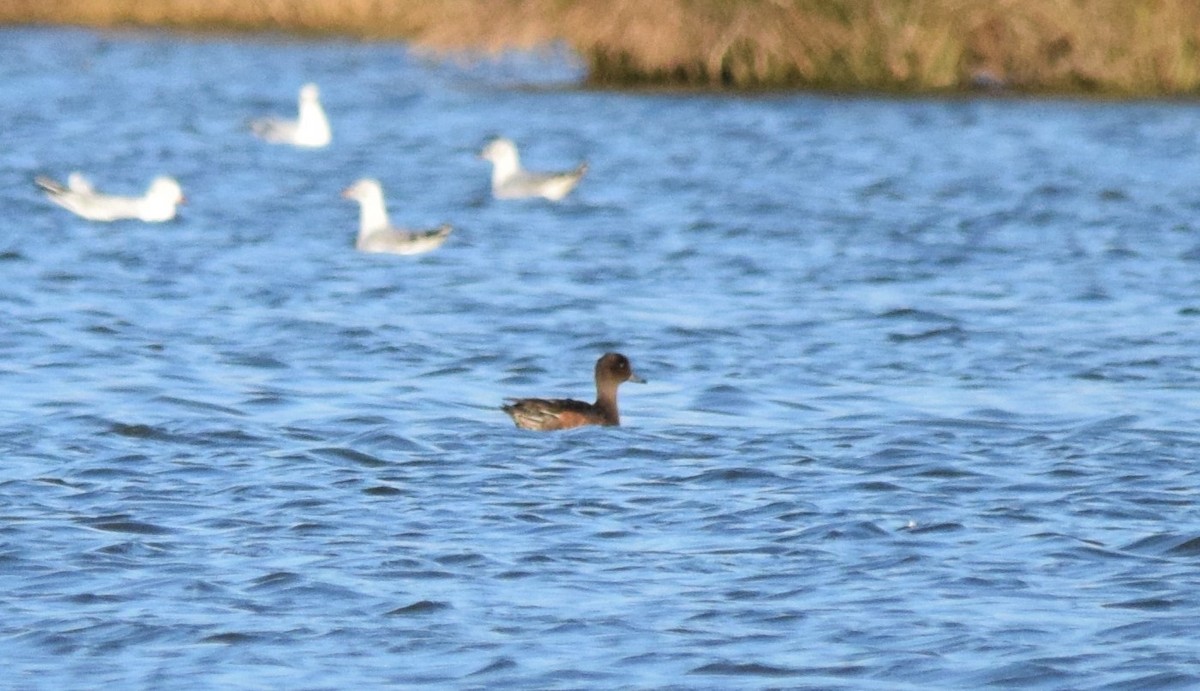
(372, 216)
(499, 151)
(309, 93)
(166, 190)
(364, 190)
(160, 200)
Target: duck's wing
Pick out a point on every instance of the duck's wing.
(549, 413)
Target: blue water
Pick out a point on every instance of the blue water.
(922, 409)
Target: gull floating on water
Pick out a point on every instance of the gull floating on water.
(311, 130)
(156, 205)
(375, 234)
(509, 181)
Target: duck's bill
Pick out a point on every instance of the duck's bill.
(636, 379)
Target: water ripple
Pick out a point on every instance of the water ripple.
(920, 407)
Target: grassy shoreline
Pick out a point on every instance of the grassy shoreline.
(1120, 48)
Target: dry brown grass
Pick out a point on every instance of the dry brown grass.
(1118, 47)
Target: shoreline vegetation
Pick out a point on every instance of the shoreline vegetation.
(1113, 48)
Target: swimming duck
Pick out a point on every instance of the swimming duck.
(509, 181)
(311, 130)
(81, 198)
(612, 369)
(375, 234)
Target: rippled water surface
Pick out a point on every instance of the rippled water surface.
(922, 408)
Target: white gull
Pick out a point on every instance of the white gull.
(311, 130)
(375, 234)
(156, 205)
(510, 181)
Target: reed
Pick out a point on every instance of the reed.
(1112, 47)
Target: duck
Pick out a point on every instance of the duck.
(541, 414)
(510, 181)
(310, 130)
(78, 196)
(375, 233)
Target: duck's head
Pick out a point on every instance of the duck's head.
(615, 368)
